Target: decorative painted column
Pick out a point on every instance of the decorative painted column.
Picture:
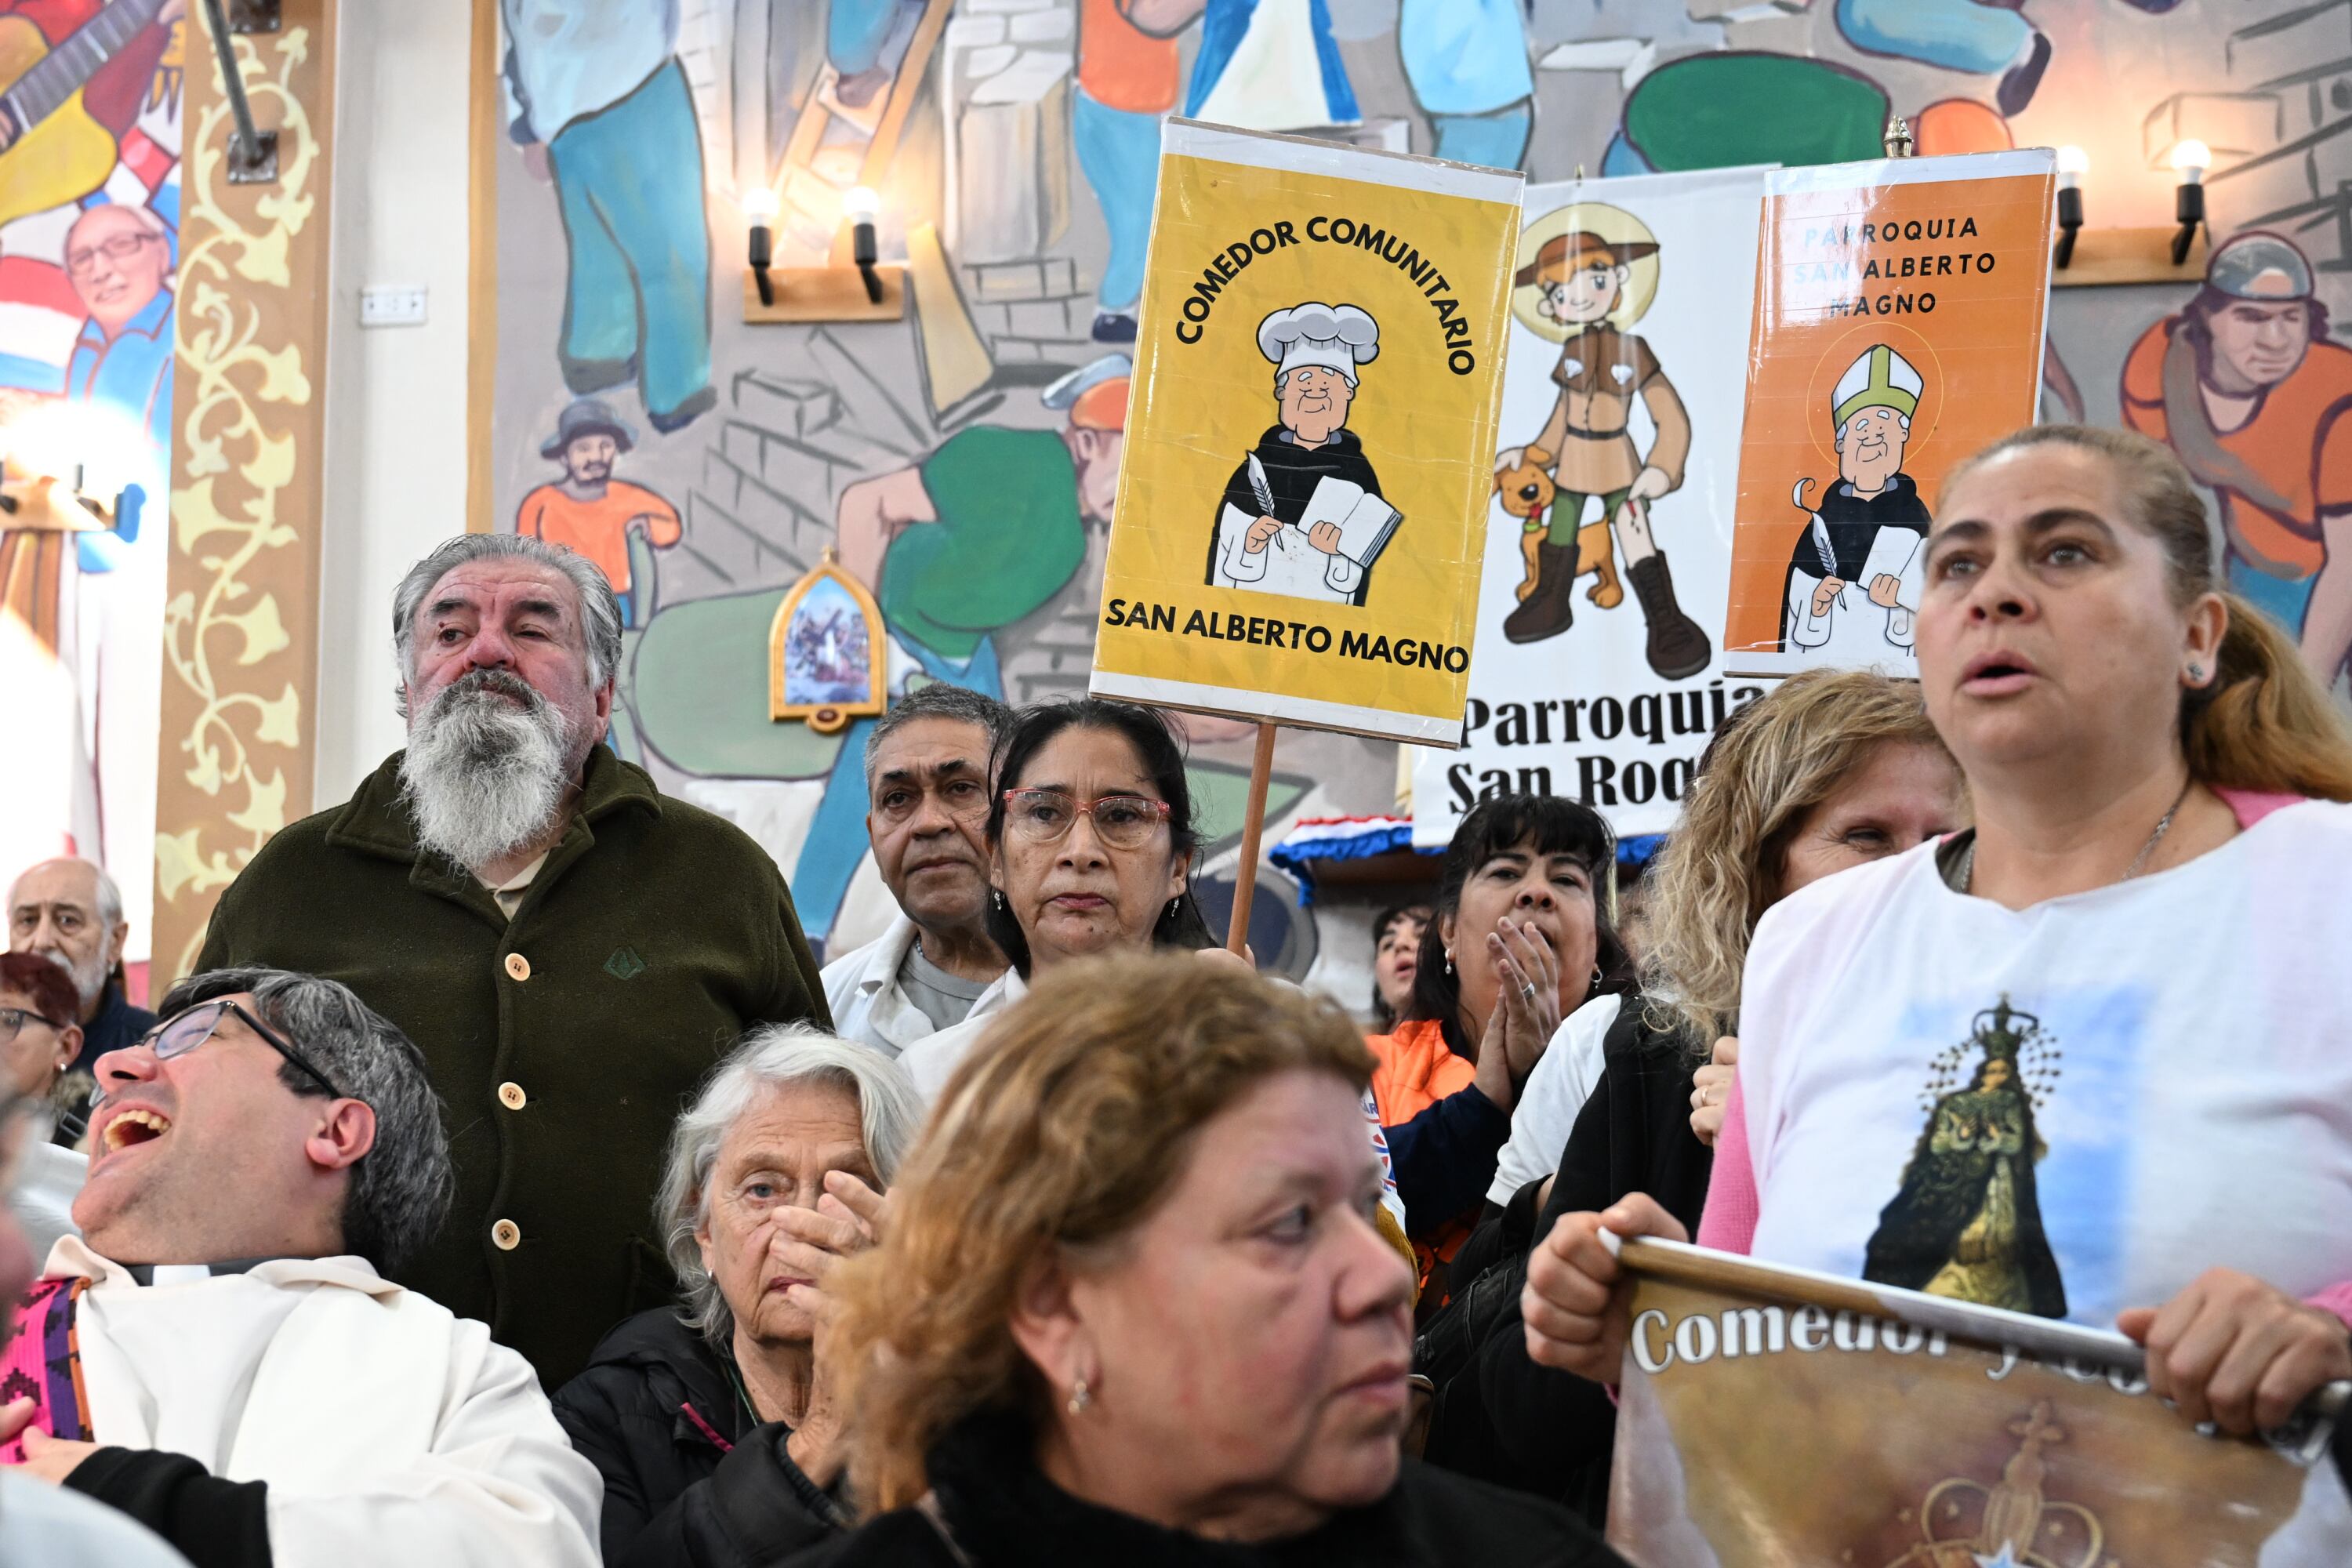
(241, 629)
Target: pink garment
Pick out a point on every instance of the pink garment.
(1727, 1223)
(1733, 1207)
(2251, 806)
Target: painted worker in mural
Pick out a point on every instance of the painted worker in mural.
(1302, 515)
(1854, 574)
(1128, 71)
(599, 104)
(590, 511)
(1602, 368)
(2246, 386)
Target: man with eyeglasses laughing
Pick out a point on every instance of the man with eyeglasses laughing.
(224, 1360)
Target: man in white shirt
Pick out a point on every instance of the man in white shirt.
(927, 782)
(249, 1385)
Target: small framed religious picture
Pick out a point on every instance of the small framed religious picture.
(827, 652)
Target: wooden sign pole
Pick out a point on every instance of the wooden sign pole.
(1252, 828)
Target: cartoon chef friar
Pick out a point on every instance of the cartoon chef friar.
(1303, 514)
(1855, 572)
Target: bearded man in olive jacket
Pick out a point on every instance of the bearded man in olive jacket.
(571, 948)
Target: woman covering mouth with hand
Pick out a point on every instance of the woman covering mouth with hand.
(1520, 939)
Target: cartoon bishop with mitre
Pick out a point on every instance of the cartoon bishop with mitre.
(1857, 569)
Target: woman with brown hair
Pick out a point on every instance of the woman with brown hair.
(1131, 1306)
(2154, 889)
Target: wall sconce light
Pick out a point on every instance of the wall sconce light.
(856, 286)
(859, 208)
(2073, 164)
(760, 204)
(2084, 257)
(2189, 160)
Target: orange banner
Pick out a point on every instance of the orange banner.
(1898, 328)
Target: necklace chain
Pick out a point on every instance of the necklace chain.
(2140, 861)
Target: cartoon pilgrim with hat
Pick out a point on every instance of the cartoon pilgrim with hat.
(1855, 572)
(1583, 275)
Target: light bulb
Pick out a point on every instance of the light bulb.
(760, 204)
(2190, 159)
(2073, 164)
(861, 203)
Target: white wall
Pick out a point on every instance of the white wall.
(396, 415)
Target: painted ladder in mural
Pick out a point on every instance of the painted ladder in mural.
(848, 131)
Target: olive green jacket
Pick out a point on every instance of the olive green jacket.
(563, 1045)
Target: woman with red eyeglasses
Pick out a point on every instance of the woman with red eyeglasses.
(1090, 849)
(1091, 846)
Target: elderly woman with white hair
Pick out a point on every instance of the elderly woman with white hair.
(715, 1425)
(1303, 515)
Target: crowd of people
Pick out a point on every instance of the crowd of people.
(507, 1183)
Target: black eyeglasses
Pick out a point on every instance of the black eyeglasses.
(12, 1019)
(184, 1032)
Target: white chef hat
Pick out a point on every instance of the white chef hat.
(1337, 337)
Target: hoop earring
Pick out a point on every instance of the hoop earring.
(1080, 1397)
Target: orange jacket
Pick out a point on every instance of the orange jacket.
(1414, 1068)
(1411, 1070)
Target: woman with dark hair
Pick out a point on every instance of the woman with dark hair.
(1396, 958)
(1090, 845)
(1519, 940)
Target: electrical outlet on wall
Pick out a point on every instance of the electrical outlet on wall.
(382, 306)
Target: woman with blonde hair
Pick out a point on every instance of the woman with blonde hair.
(2155, 888)
(1833, 768)
(1131, 1305)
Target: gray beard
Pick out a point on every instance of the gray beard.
(481, 777)
(88, 979)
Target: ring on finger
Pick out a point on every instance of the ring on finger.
(1527, 989)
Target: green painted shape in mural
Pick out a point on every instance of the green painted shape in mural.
(1711, 111)
(1220, 791)
(698, 692)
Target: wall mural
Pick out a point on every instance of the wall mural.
(709, 465)
(90, 98)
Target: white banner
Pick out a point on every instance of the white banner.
(1594, 674)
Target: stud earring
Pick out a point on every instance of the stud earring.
(2196, 674)
(1080, 1397)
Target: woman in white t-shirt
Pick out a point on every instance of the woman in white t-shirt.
(2090, 1059)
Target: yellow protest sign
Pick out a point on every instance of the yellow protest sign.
(1302, 501)
(1770, 1416)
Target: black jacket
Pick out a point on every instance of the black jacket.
(1004, 1514)
(1498, 1415)
(688, 1478)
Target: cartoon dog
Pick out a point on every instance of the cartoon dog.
(1528, 491)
